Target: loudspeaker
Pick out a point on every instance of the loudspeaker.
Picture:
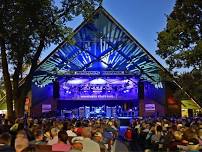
(141, 90)
(56, 89)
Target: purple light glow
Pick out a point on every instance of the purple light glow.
(77, 81)
(97, 91)
(98, 81)
(101, 87)
(115, 81)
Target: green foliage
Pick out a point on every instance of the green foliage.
(192, 82)
(27, 28)
(180, 43)
(26, 23)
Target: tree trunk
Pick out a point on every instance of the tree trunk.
(24, 89)
(26, 86)
(7, 81)
(9, 102)
(16, 90)
(19, 105)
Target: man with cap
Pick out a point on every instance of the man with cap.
(77, 145)
(99, 139)
(88, 144)
(38, 134)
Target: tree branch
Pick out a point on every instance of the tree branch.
(67, 10)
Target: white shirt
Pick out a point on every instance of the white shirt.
(53, 141)
(71, 133)
(90, 146)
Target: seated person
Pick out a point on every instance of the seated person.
(77, 145)
(98, 137)
(38, 138)
(5, 142)
(193, 145)
(62, 142)
(54, 135)
(21, 143)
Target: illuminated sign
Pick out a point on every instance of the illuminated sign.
(95, 73)
(97, 96)
(150, 107)
(46, 107)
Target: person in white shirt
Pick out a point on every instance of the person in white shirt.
(77, 144)
(54, 139)
(70, 132)
(88, 144)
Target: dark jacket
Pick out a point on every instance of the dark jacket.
(6, 148)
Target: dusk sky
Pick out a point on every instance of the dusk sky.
(142, 18)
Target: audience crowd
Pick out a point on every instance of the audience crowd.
(100, 135)
(166, 135)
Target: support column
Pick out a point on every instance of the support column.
(173, 106)
(56, 89)
(141, 98)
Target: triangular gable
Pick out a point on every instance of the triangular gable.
(101, 43)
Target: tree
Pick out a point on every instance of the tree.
(27, 28)
(180, 44)
(192, 82)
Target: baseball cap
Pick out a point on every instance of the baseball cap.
(77, 139)
(97, 134)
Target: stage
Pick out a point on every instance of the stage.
(104, 72)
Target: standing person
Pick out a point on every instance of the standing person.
(156, 138)
(62, 143)
(88, 144)
(128, 134)
(77, 145)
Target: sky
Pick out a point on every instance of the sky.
(142, 18)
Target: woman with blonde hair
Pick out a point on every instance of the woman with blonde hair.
(21, 141)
